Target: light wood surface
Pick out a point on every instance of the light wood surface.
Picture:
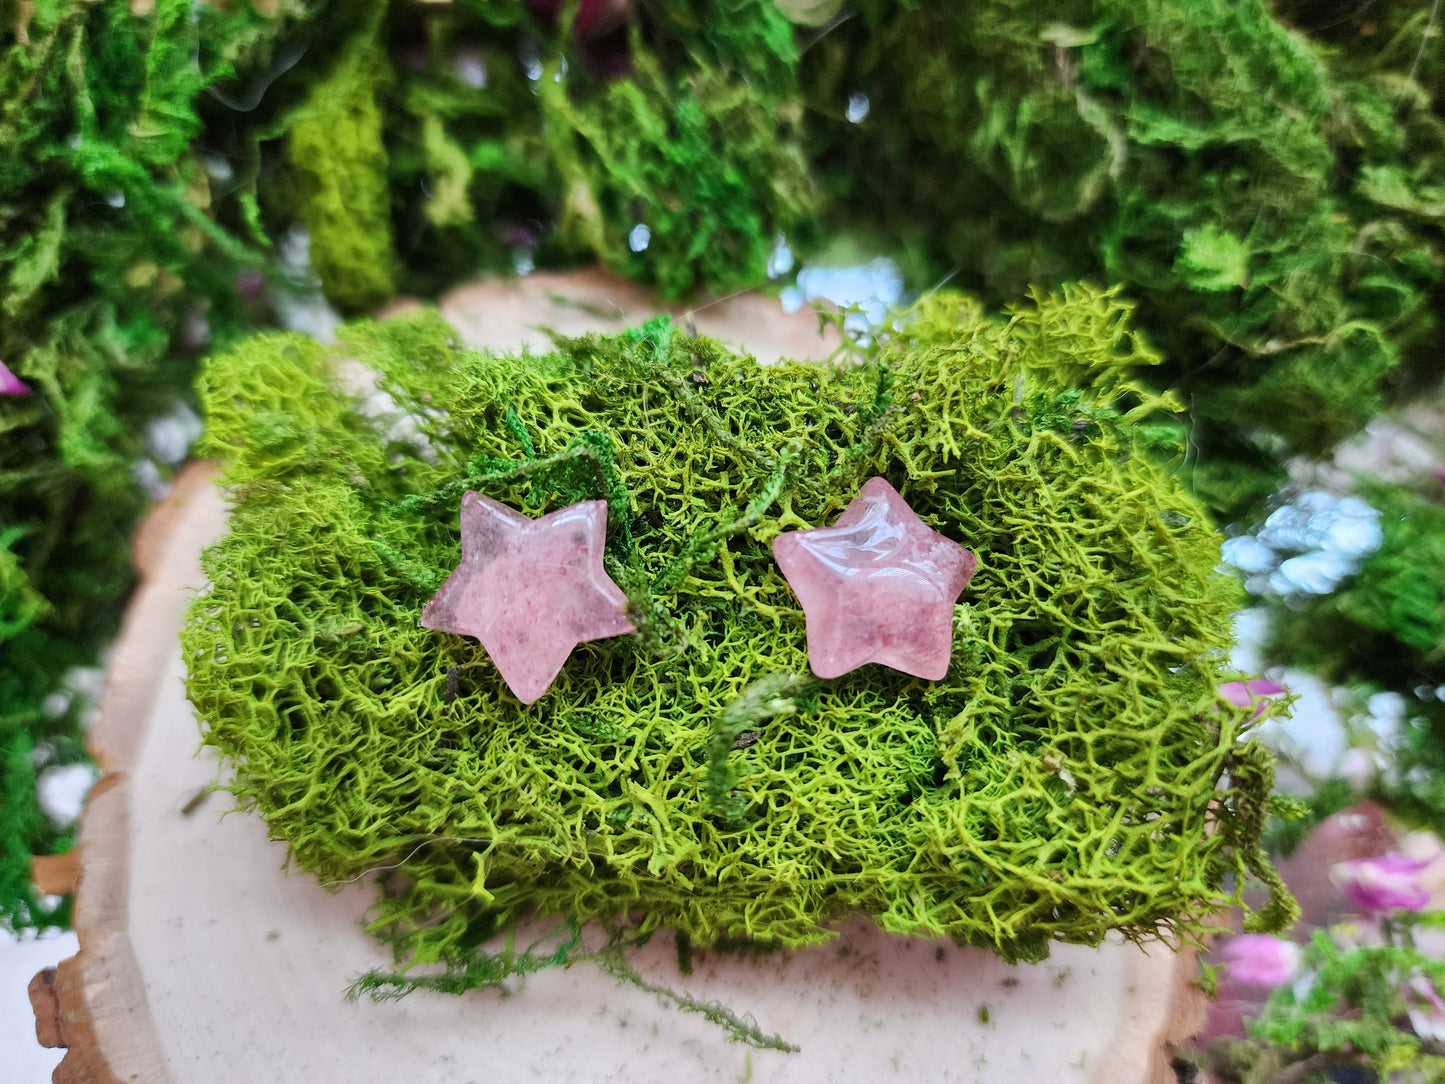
(202, 960)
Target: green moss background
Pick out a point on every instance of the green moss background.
(113, 271)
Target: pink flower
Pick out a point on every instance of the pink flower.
(1255, 691)
(1257, 959)
(1425, 1009)
(10, 384)
(1377, 885)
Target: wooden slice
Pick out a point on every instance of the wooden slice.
(202, 960)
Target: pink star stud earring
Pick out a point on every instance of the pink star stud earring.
(530, 590)
(876, 586)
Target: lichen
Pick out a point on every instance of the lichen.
(1076, 773)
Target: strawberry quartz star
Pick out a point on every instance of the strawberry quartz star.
(530, 590)
(876, 586)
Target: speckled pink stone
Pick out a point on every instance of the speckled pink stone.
(530, 590)
(876, 586)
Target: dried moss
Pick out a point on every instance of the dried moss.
(471, 131)
(1272, 195)
(1076, 773)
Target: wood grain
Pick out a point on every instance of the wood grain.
(56, 874)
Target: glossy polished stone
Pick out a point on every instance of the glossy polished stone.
(876, 586)
(530, 590)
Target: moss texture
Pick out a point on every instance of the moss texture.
(113, 272)
(334, 146)
(711, 221)
(1076, 773)
(1273, 202)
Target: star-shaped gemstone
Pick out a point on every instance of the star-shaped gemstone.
(876, 586)
(530, 590)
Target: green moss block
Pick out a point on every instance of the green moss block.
(1076, 773)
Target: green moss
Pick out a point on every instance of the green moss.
(1076, 773)
(1384, 629)
(1383, 40)
(1272, 202)
(750, 37)
(1351, 1018)
(339, 163)
(1386, 624)
(112, 261)
(20, 822)
(693, 130)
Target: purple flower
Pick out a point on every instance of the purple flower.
(1244, 693)
(1378, 885)
(1257, 959)
(10, 384)
(1425, 1009)
(1255, 691)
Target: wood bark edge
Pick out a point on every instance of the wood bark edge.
(1188, 1010)
(100, 989)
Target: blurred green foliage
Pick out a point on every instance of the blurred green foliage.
(1352, 1013)
(1384, 629)
(111, 266)
(1273, 200)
